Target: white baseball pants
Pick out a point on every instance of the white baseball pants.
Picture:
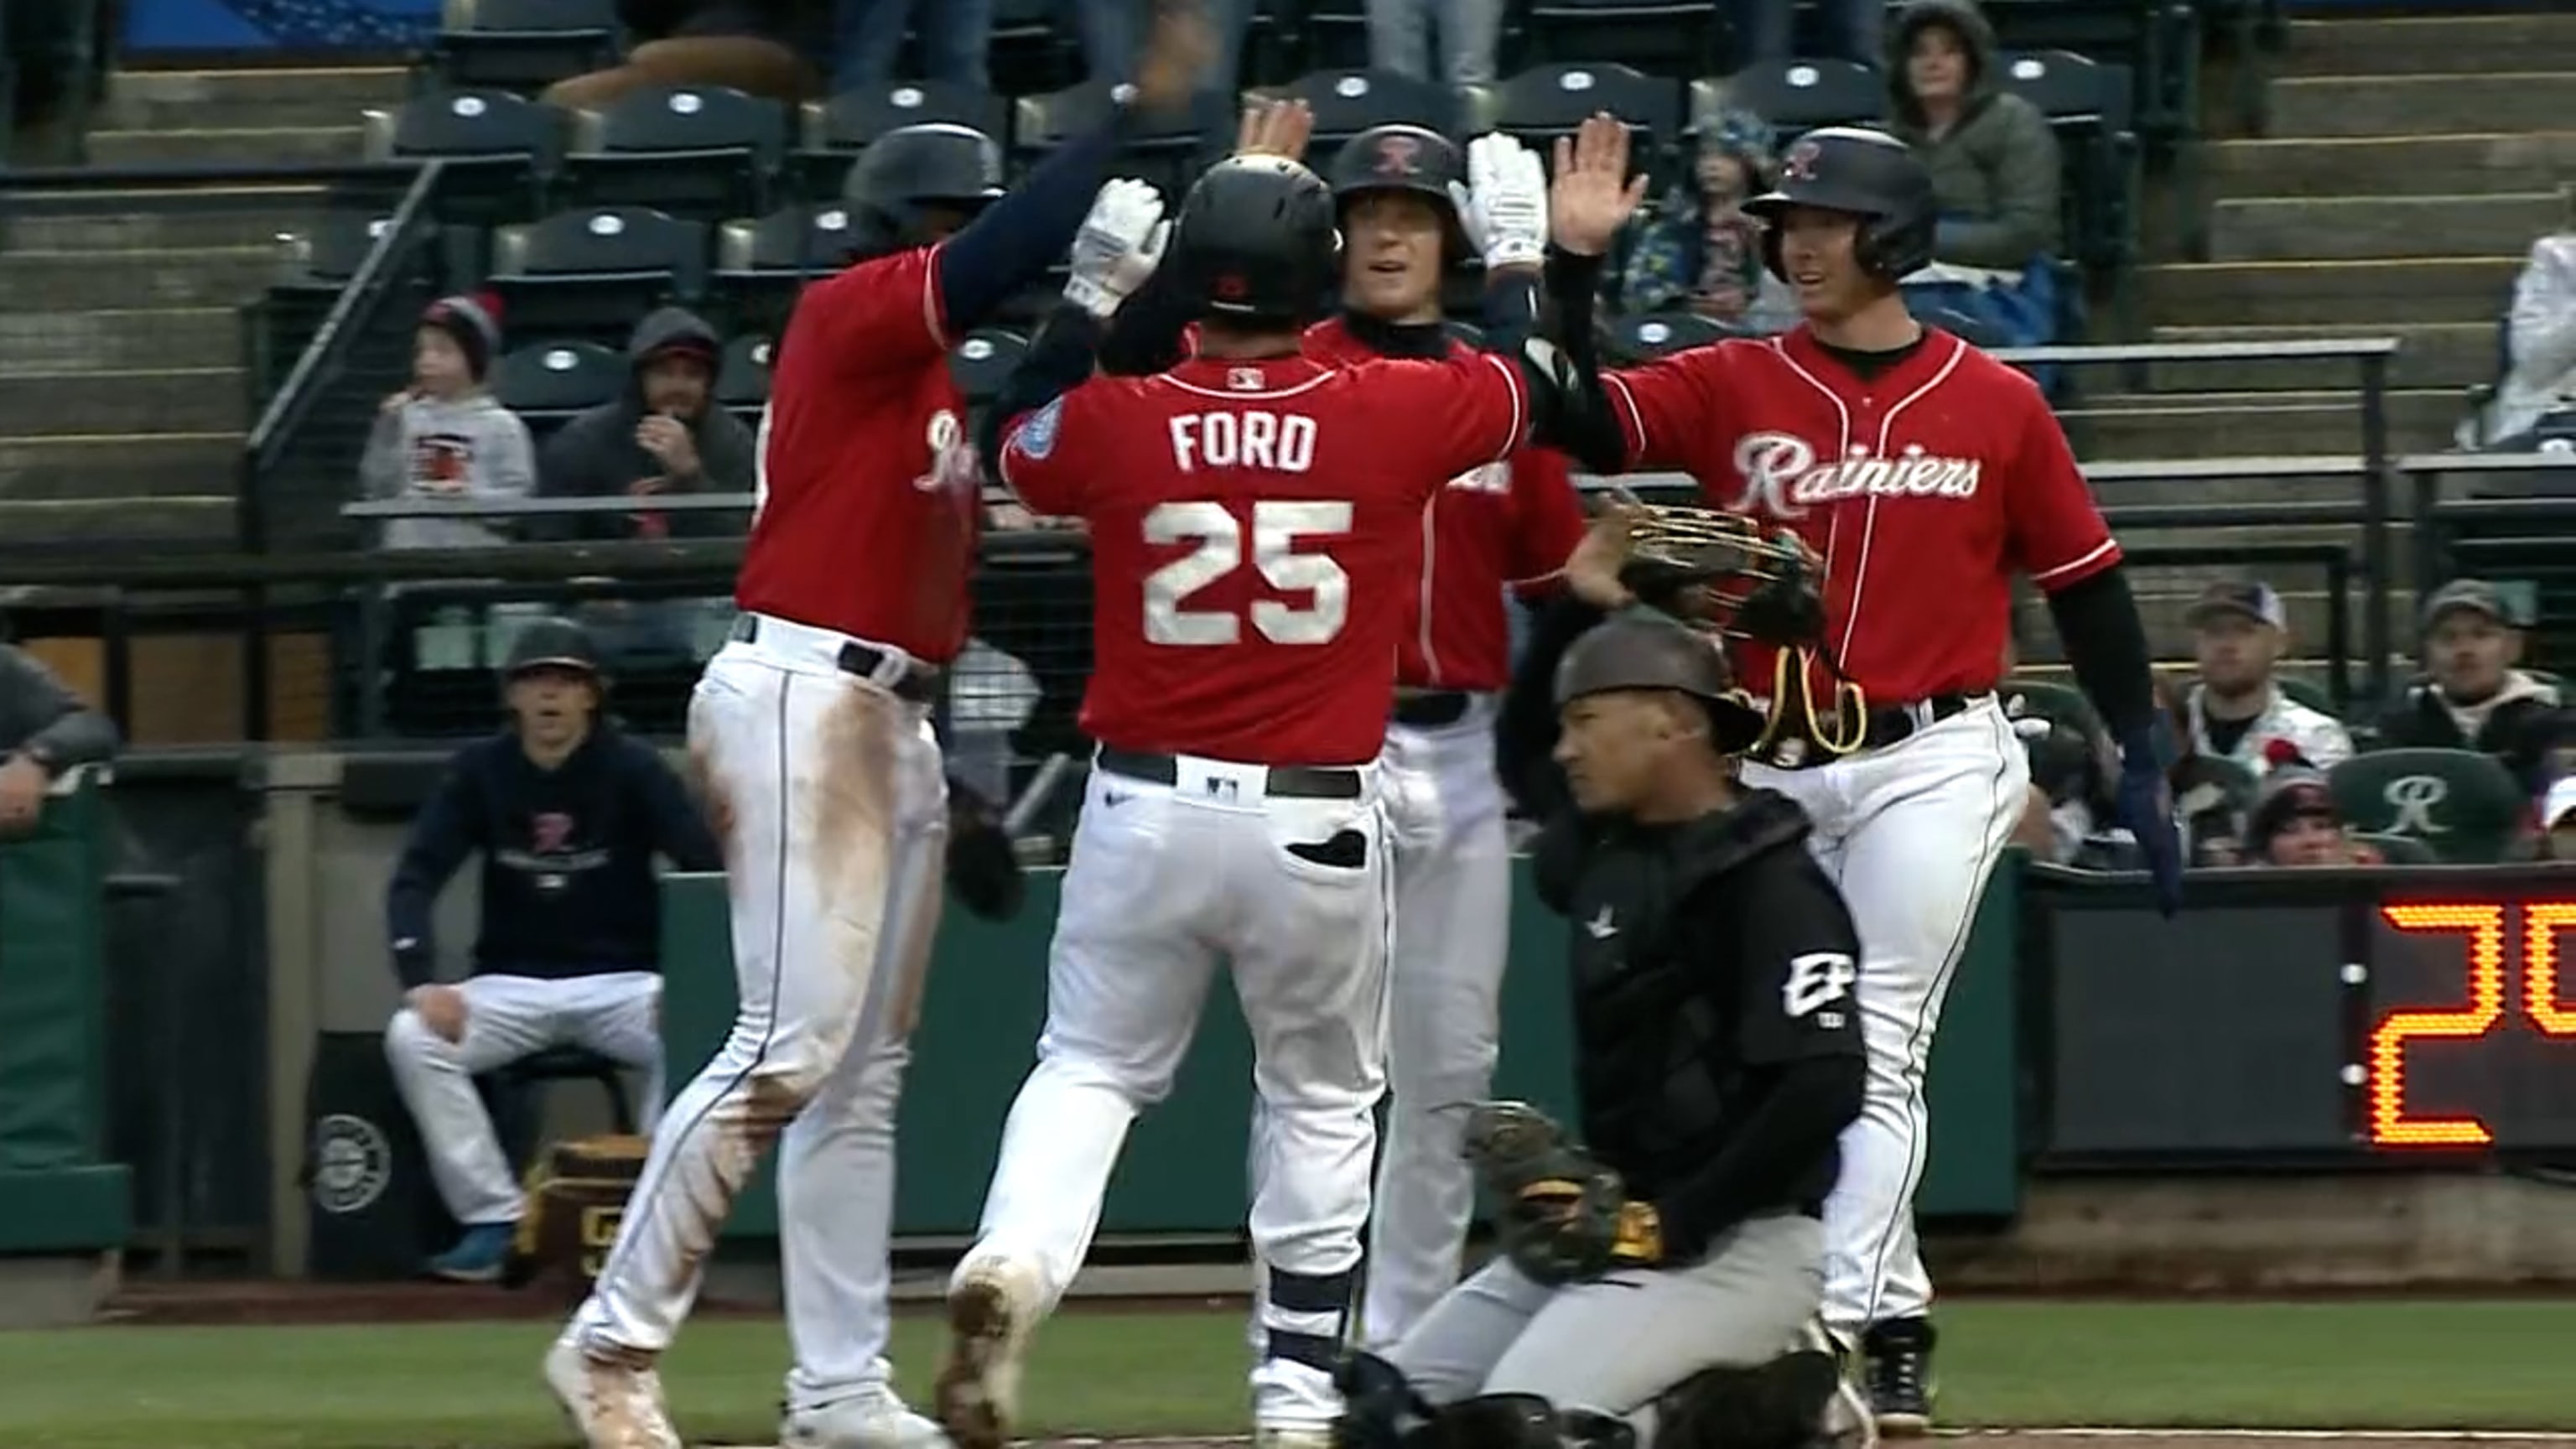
(1163, 879)
(833, 814)
(1453, 882)
(1911, 833)
(508, 1018)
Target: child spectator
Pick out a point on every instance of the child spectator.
(444, 436)
(2294, 822)
(1696, 249)
(2472, 696)
(1995, 173)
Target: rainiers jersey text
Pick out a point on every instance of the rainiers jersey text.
(1925, 489)
(1498, 524)
(868, 494)
(1254, 528)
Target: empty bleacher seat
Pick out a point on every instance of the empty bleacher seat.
(1333, 34)
(762, 263)
(1660, 35)
(2090, 106)
(835, 131)
(522, 45)
(329, 252)
(742, 379)
(1649, 335)
(1161, 149)
(1547, 101)
(590, 272)
(500, 148)
(1347, 102)
(550, 381)
(1797, 95)
(688, 150)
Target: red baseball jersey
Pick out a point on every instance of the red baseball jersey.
(1499, 524)
(1254, 528)
(1925, 489)
(868, 495)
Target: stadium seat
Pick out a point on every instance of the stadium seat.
(2049, 700)
(691, 151)
(547, 382)
(762, 264)
(2090, 105)
(501, 149)
(1649, 335)
(982, 361)
(1032, 49)
(1333, 34)
(742, 379)
(1347, 102)
(1796, 95)
(1546, 101)
(2398, 849)
(2300, 691)
(522, 45)
(1164, 149)
(330, 251)
(2464, 806)
(591, 271)
(837, 130)
(1656, 35)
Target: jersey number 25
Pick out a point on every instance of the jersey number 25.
(1276, 527)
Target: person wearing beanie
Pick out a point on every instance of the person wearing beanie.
(445, 436)
(1697, 250)
(2294, 821)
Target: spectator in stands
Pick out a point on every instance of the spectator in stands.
(45, 730)
(2473, 697)
(445, 437)
(2540, 348)
(2210, 795)
(1695, 249)
(953, 38)
(664, 436)
(2239, 632)
(1766, 30)
(568, 815)
(748, 45)
(1400, 34)
(2294, 821)
(1994, 166)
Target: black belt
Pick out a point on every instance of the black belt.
(1432, 710)
(1887, 726)
(918, 684)
(1304, 782)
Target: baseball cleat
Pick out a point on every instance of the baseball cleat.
(871, 1419)
(480, 1254)
(991, 1308)
(614, 1403)
(1897, 1359)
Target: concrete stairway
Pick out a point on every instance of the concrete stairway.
(2407, 167)
(123, 400)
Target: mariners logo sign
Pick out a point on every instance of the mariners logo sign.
(352, 1162)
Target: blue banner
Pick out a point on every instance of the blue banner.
(287, 25)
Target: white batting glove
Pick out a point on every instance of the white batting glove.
(1118, 247)
(1504, 206)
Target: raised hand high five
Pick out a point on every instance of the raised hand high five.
(1592, 194)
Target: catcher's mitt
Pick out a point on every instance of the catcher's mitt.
(1560, 1215)
(1726, 572)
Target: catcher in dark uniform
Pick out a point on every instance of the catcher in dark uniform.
(1660, 1273)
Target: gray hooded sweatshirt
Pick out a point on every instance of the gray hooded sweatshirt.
(1995, 170)
(433, 449)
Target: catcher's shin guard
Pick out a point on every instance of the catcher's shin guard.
(1523, 1421)
(1380, 1410)
(1787, 1403)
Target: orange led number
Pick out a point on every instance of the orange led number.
(2389, 1124)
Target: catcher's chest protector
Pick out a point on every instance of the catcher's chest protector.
(1647, 1032)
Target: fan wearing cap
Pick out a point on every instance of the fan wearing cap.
(2473, 697)
(664, 435)
(1698, 248)
(1927, 478)
(1717, 1056)
(2239, 631)
(568, 815)
(444, 436)
(2294, 821)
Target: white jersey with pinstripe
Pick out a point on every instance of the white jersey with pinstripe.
(1927, 486)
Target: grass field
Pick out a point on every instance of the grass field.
(2393, 1364)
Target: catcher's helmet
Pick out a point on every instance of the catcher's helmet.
(1256, 241)
(551, 643)
(1406, 158)
(1867, 173)
(1647, 651)
(939, 163)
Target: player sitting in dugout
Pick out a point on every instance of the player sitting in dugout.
(568, 814)
(1657, 1282)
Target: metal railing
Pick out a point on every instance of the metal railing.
(2427, 474)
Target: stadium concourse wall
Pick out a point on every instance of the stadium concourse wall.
(2118, 1103)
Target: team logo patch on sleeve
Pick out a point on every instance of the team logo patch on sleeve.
(1036, 437)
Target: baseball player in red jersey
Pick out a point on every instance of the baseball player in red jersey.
(1926, 475)
(811, 730)
(1406, 218)
(1255, 519)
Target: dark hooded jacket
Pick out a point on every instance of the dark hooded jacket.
(596, 455)
(1995, 170)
